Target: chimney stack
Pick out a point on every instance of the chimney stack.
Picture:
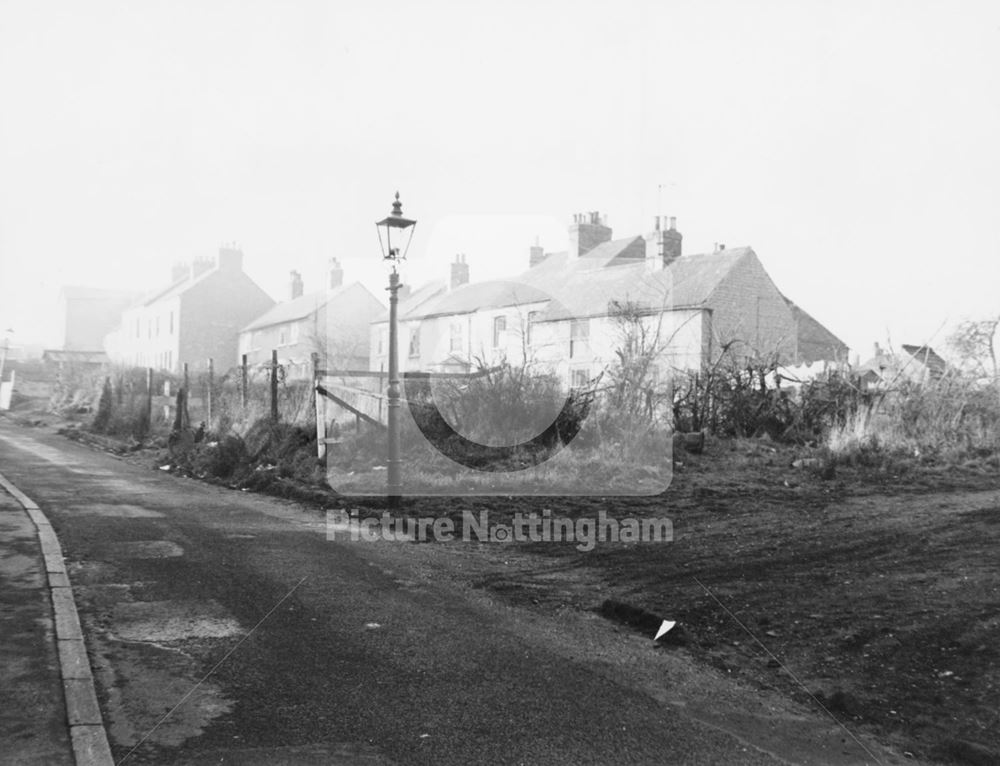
(663, 245)
(230, 258)
(295, 285)
(587, 231)
(459, 271)
(537, 254)
(336, 275)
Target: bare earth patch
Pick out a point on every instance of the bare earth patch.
(878, 590)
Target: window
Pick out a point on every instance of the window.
(381, 341)
(295, 333)
(157, 327)
(282, 336)
(137, 328)
(456, 337)
(579, 378)
(579, 335)
(171, 322)
(415, 341)
(499, 328)
(533, 317)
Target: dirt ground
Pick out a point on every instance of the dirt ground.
(874, 594)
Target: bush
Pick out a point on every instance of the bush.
(103, 417)
(498, 420)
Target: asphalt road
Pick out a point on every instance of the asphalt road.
(335, 652)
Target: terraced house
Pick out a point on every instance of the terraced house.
(573, 311)
(196, 317)
(332, 322)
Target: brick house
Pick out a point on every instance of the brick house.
(196, 317)
(333, 322)
(567, 309)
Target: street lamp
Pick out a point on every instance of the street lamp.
(398, 230)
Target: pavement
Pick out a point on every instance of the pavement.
(222, 627)
(32, 718)
(50, 706)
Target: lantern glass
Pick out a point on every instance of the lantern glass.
(395, 234)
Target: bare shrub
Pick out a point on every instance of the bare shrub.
(502, 416)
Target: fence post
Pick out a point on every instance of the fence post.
(149, 399)
(243, 383)
(274, 385)
(166, 394)
(208, 400)
(320, 410)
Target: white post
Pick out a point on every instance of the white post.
(320, 402)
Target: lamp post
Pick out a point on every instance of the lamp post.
(398, 230)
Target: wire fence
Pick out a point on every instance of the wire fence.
(144, 402)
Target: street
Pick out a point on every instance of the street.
(225, 627)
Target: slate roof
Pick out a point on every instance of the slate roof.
(301, 307)
(175, 288)
(472, 297)
(925, 355)
(409, 307)
(688, 282)
(584, 286)
(928, 357)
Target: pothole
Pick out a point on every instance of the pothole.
(167, 621)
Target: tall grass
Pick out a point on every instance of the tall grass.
(951, 417)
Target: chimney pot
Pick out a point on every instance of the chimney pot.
(663, 246)
(201, 265)
(587, 232)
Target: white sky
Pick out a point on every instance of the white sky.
(854, 145)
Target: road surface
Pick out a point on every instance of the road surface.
(225, 627)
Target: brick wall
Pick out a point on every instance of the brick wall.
(212, 314)
(748, 308)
